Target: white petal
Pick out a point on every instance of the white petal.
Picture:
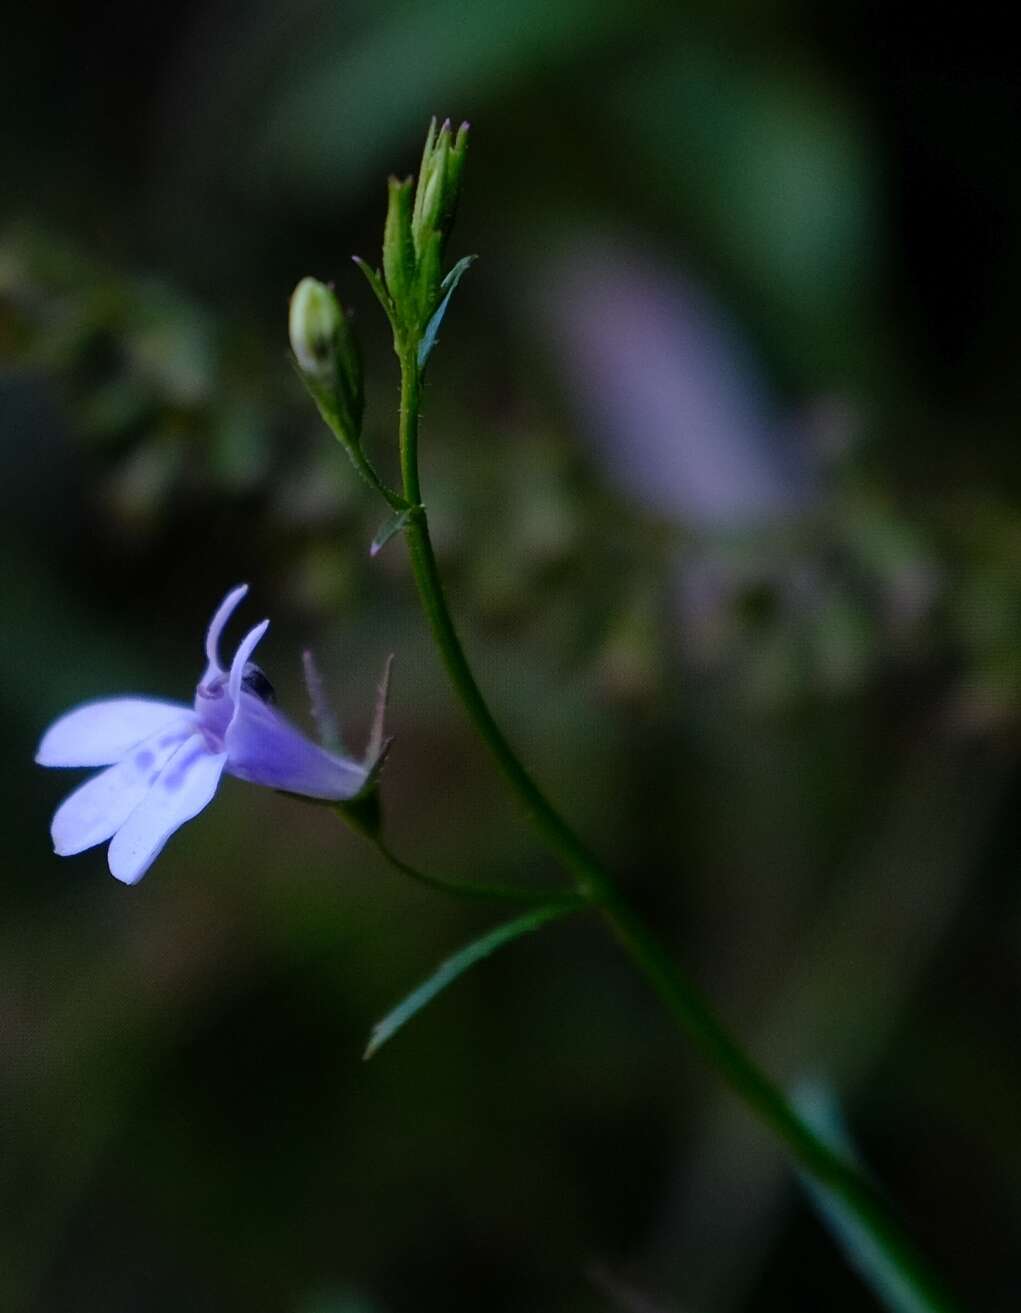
(186, 785)
(101, 806)
(216, 626)
(100, 733)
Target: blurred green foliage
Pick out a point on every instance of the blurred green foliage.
(790, 723)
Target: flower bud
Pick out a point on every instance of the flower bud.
(398, 249)
(315, 323)
(429, 198)
(411, 286)
(439, 184)
(328, 359)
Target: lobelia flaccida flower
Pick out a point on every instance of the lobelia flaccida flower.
(164, 759)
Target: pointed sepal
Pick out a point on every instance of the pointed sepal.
(322, 713)
(378, 744)
(364, 812)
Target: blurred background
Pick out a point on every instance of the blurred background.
(720, 450)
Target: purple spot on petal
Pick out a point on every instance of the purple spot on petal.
(143, 760)
(176, 774)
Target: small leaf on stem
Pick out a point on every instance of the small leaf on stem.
(447, 972)
(448, 286)
(388, 528)
(819, 1105)
(375, 280)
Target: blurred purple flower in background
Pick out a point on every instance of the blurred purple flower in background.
(670, 397)
(677, 411)
(165, 759)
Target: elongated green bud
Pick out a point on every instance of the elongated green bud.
(429, 198)
(423, 172)
(430, 276)
(398, 248)
(419, 216)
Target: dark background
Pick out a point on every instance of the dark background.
(720, 450)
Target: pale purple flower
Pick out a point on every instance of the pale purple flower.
(164, 759)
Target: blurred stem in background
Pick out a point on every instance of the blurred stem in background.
(415, 299)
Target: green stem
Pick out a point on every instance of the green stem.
(826, 1167)
(561, 838)
(682, 998)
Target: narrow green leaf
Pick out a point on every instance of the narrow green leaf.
(818, 1104)
(448, 286)
(447, 972)
(390, 527)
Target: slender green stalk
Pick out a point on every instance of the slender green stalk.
(576, 857)
(827, 1168)
(682, 998)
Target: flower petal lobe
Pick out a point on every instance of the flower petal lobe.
(184, 787)
(100, 733)
(102, 804)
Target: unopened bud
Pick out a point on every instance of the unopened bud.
(398, 248)
(315, 322)
(419, 216)
(328, 359)
(431, 187)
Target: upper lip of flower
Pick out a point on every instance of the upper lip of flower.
(164, 759)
